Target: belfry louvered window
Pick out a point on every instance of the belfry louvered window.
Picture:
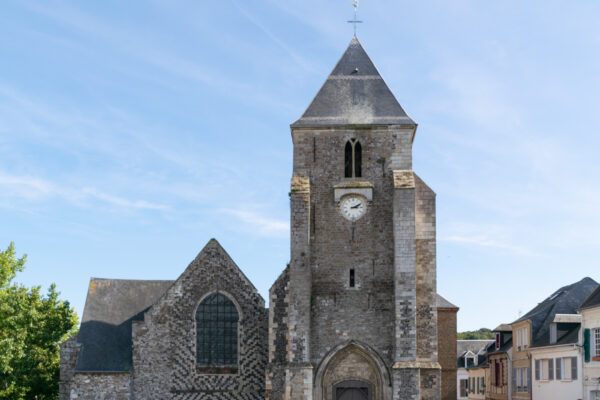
(217, 331)
(353, 159)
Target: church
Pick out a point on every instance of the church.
(355, 315)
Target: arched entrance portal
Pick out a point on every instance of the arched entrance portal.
(352, 371)
(352, 390)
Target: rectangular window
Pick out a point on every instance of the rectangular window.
(498, 342)
(595, 395)
(525, 338)
(519, 339)
(463, 387)
(352, 283)
(520, 380)
(545, 369)
(565, 368)
(596, 343)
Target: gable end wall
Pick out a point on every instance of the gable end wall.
(164, 355)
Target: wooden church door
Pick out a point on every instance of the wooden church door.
(352, 390)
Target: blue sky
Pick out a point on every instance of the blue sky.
(133, 132)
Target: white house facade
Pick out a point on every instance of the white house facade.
(557, 372)
(590, 310)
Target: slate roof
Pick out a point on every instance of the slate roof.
(565, 300)
(443, 303)
(354, 94)
(477, 347)
(105, 333)
(110, 307)
(506, 346)
(593, 300)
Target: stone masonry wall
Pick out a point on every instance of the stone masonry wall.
(425, 231)
(394, 293)
(278, 337)
(447, 351)
(69, 350)
(366, 311)
(101, 386)
(164, 356)
(298, 379)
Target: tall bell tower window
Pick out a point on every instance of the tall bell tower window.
(353, 159)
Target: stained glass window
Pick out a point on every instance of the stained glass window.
(217, 331)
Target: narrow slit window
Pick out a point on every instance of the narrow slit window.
(352, 280)
(353, 159)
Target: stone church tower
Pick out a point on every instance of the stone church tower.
(355, 312)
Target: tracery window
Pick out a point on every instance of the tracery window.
(353, 159)
(217, 332)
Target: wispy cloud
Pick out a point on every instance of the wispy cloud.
(277, 40)
(259, 223)
(484, 241)
(145, 48)
(36, 189)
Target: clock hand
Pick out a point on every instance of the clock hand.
(357, 206)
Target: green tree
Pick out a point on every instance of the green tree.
(31, 327)
(483, 333)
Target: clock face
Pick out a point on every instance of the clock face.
(353, 207)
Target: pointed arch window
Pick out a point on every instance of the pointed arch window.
(217, 332)
(353, 159)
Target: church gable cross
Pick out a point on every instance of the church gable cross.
(355, 21)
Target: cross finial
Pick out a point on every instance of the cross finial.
(355, 21)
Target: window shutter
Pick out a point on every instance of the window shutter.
(586, 345)
(501, 383)
(550, 369)
(558, 369)
(514, 380)
(574, 368)
(538, 364)
(528, 370)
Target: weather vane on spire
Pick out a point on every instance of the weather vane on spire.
(355, 21)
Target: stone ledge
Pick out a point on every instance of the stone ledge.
(353, 184)
(361, 188)
(416, 365)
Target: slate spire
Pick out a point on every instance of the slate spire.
(354, 94)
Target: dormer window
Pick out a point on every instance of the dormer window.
(498, 341)
(469, 362)
(353, 159)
